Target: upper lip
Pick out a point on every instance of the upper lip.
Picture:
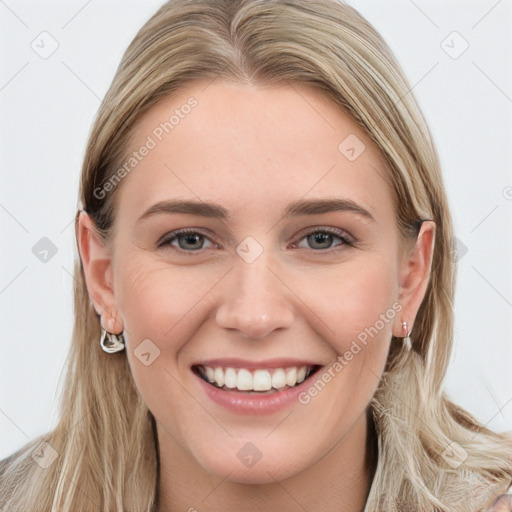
(244, 363)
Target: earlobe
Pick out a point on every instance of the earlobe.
(414, 275)
(97, 267)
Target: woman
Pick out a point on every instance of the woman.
(259, 368)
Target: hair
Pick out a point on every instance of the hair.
(330, 46)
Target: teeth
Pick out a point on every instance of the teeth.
(210, 374)
(261, 380)
(230, 378)
(218, 377)
(291, 376)
(244, 380)
(256, 380)
(279, 379)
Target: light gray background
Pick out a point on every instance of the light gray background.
(47, 107)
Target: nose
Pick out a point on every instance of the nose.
(256, 300)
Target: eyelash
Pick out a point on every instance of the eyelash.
(346, 239)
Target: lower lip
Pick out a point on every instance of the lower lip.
(244, 403)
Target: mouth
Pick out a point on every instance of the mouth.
(255, 381)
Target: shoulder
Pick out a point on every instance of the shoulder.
(5, 463)
(16, 471)
(17, 460)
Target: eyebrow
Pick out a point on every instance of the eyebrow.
(294, 209)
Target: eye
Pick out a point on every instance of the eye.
(322, 238)
(188, 240)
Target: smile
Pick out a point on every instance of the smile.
(255, 380)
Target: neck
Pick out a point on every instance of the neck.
(339, 481)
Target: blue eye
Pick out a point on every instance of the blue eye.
(188, 240)
(322, 239)
(319, 240)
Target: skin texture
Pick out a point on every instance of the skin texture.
(253, 150)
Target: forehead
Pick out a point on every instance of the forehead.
(252, 149)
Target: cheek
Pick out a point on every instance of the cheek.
(354, 300)
(355, 305)
(158, 301)
(159, 305)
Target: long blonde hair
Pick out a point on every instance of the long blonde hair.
(105, 441)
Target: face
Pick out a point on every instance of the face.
(258, 336)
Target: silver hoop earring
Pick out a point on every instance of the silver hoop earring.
(111, 343)
(406, 340)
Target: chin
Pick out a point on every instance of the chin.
(248, 465)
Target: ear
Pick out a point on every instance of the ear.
(96, 262)
(414, 274)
